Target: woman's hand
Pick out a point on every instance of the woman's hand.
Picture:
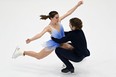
(80, 2)
(28, 41)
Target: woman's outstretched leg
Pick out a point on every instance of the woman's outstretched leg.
(38, 55)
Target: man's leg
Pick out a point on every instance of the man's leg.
(66, 55)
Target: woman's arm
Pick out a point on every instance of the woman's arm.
(71, 10)
(46, 29)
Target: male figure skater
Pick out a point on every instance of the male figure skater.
(78, 49)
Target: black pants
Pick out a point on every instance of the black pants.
(66, 55)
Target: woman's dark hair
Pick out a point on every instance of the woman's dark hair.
(51, 15)
(76, 22)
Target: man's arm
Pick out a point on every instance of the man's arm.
(62, 40)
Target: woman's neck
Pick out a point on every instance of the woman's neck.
(52, 23)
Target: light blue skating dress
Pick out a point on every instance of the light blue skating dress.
(51, 45)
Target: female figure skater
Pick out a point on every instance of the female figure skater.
(55, 29)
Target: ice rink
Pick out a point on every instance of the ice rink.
(19, 20)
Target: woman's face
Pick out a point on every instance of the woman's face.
(55, 19)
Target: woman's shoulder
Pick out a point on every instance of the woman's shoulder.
(48, 28)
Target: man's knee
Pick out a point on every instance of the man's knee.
(58, 50)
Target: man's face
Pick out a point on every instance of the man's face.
(70, 25)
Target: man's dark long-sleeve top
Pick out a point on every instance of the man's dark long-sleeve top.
(78, 41)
